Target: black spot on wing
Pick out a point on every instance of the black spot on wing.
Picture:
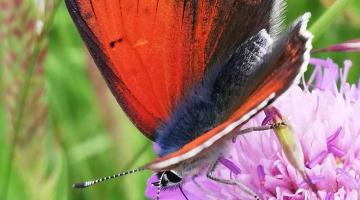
(115, 42)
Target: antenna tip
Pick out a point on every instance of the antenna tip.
(80, 185)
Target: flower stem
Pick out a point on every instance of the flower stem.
(325, 20)
(18, 118)
(139, 153)
(39, 42)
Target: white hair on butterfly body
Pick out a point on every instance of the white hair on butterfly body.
(277, 18)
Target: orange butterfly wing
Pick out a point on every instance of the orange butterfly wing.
(152, 52)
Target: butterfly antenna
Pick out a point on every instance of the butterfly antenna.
(159, 186)
(93, 182)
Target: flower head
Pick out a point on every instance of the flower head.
(324, 116)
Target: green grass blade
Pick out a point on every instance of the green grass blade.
(324, 22)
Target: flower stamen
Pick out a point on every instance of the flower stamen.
(230, 165)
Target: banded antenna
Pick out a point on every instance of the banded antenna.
(93, 182)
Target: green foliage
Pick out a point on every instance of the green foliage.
(59, 124)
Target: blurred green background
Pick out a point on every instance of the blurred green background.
(58, 122)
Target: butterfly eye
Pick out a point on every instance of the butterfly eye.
(173, 177)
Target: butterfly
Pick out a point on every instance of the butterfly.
(188, 73)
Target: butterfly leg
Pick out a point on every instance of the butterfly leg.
(193, 178)
(203, 189)
(244, 188)
(240, 131)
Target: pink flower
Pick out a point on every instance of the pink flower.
(324, 115)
